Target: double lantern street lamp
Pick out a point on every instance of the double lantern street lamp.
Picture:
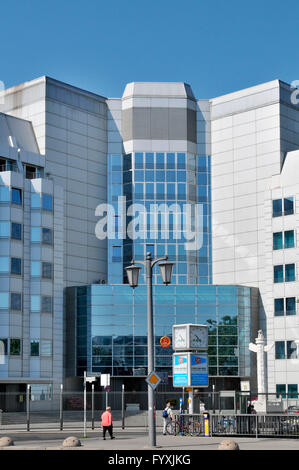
(133, 275)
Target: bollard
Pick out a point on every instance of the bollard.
(6, 441)
(71, 442)
(228, 444)
(206, 424)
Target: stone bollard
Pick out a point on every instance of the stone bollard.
(6, 441)
(71, 442)
(228, 444)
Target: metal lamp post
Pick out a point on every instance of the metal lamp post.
(133, 275)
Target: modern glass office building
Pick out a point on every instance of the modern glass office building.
(112, 326)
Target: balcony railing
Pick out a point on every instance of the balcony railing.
(9, 167)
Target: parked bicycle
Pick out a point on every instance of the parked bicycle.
(185, 427)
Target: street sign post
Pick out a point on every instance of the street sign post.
(153, 380)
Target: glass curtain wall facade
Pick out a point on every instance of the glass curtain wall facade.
(112, 327)
(148, 181)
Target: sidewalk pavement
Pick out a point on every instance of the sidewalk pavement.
(136, 439)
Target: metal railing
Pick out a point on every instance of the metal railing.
(259, 425)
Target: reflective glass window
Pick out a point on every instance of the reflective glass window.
(46, 348)
(47, 236)
(277, 241)
(277, 208)
(288, 205)
(170, 161)
(138, 160)
(4, 194)
(292, 391)
(46, 306)
(278, 307)
(291, 306)
(289, 239)
(181, 161)
(35, 234)
(138, 190)
(160, 176)
(35, 268)
(279, 350)
(34, 348)
(289, 272)
(160, 161)
(4, 229)
(16, 231)
(47, 270)
(35, 201)
(280, 391)
(16, 266)
(170, 191)
(47, 202)
(116, 162)
(16, 196)
(16, 301)
(4, 300)
(34, 303)
(116, 254)
(149, 161)
(15, 347)
(291, 350)
(278, 273)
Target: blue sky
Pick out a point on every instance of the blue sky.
(100, 45)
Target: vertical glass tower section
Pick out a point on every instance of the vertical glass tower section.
(161, 205)
(159, 185)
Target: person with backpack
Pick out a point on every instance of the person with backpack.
(167, 415)
(107, 423)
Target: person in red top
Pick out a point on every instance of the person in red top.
(107, 422)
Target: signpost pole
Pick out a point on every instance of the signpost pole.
(190, 401)
(84, 404)
(150, 349)
(92, 406)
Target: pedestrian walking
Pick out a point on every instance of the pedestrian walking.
(107, 423)
(167, 416)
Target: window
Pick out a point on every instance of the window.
(291, 350)
(279, 350)
(35, 201)
(4, 229)
(284, 273)
(46, 348)
(35, 234)
(15, 347)
(288, 205)
(34, 303)
(16, 231)
(47, 235)
(4, 194)
(4, 264)
(289, 272)
(15, 301)
(292, 391)
(283, 207)
(280, 391)
(16, 266)
(34, 348)
(285, 306)
(116, 254)
(283, 240)
(41, 392)
(46, 304)
(278, 274)
(289, 239)
(291, 306)
(3, 349)
(277, 241)
(150, 249)
(47, 202)
(47, 270)
(4, 300)
(278, 307)
(35, 268)
(16, 196)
